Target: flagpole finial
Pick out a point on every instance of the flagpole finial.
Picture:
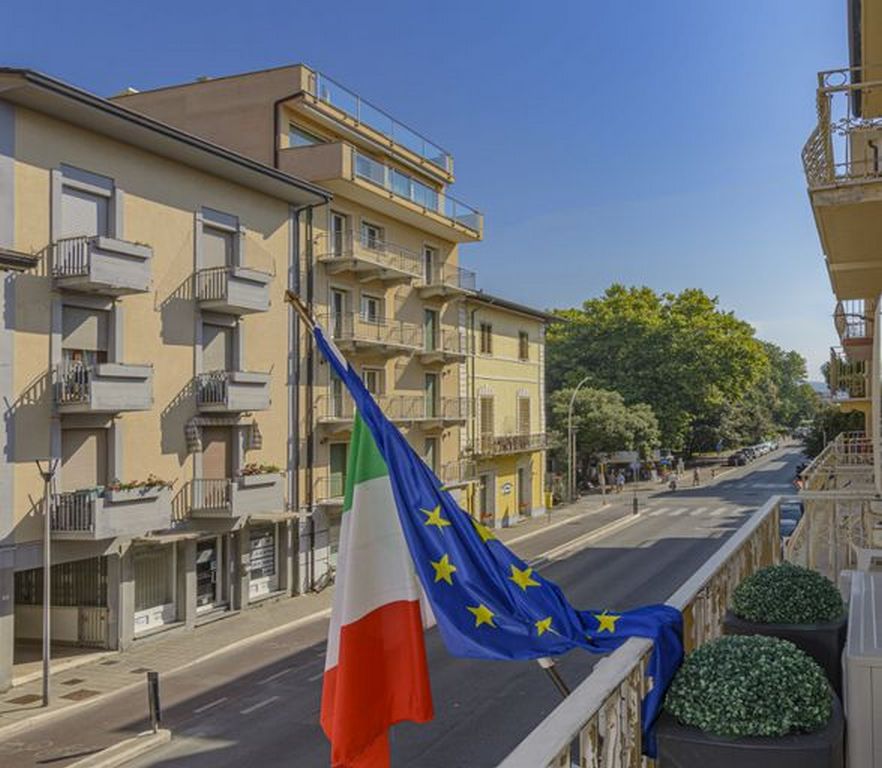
(300, 308)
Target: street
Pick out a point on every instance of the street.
(259, 705)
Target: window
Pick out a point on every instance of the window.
(523, 345)
(339, 309)
(85, 335)
(431, 395)
(431, 453)
(430, 330)
(217, 247)
(486, 341)
(523, 415)
(371, 309)
(337, 469)
(371, 236)
(430, 259)
(373, 380)
(217, 347)
(486, 423)
(339, 227)
(297, 137)
(337, 397)
(87, 204)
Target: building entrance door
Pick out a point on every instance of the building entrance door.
(209, 573)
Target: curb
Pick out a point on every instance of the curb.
(127, 750)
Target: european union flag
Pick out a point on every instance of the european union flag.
(488, 603)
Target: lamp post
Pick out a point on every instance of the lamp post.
(47, 474)
(571, 441)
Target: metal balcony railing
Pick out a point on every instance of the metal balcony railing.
(329, 489)
(332, 93)
(408, 188)
(853, 319)
(356, 327)
(335, 407)
(445, 340)
(349, 245)
(210, 493)
(452, 277)
(73, 511)
(847, 377)
(844, 145)
(211, 387)
(72, 256)
(459, 471)
(489, 444)
(73, 383)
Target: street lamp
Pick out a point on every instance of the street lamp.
(47, 473)
(571, 441)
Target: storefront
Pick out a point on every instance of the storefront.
(212, 591)
(155, 569)
(263, 561)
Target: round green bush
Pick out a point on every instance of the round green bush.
(750, 685)
(787, 594)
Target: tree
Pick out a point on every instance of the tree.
(604, 422)
(829, 421)
(678, 353)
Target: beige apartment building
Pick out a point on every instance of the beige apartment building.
(380, 264)
(146, 348)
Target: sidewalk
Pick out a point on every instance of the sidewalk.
(110, 672)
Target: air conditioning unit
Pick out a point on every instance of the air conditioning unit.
(863, 670)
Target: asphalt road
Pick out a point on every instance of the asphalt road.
(259, 705)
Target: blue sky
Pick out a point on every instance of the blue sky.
(645, 142)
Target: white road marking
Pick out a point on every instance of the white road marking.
(719, 511)
(211, 704)
(680, 511)
(659, 511)
(697, 511)
(259, 705)
(315, 677)
(278, 674)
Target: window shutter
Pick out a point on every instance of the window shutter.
(84, 328)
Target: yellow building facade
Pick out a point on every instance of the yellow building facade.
(506, 440)
(844, 173)
(143, 352)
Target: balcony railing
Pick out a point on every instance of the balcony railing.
(845, 464)
(367, 253)
(499, 445)
(455, 472)
(853, 319)
(98, 513)
(233, 391)
(331, 408)
(244, 496)
(327, 91)
(445, 342)
(100, 264)
(357, 329)
(329, 490)
(455, 277)
(848, 377)
(233, 289)
(842, 148)
(103, 387)
(602, 715)
(408, 188)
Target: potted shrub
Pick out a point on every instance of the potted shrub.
(795, 604)
(258, 474)
(750, 700)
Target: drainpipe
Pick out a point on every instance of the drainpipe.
(876, 406)
(473, 422)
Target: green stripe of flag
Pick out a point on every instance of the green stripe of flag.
(364, 461)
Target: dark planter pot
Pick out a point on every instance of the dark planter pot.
(682, 746)
(823, 642)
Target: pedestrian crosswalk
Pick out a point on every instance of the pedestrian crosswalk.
(722, 511)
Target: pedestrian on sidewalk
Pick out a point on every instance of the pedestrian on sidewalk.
(620, 482)
(696, 477)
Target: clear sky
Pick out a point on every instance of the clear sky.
(648, 142)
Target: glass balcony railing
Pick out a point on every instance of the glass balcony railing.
(408, 188)
(332, 93)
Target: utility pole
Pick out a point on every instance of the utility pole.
(571, 442)
(47, 474)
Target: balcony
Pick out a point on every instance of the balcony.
(354, 333)
(369, 260)
(261, 495)
(233, 391)
(448, 281)
(97, 514)
(392, 192)
(489, 445)
(854, 323)
(328, 101)
(102, 265)
(328, 491)
(848, 379)
(843, 170)
(233, 290)
(423, 411)
(103, 388)
(457, 472)
(845, 464)
(335, 413)
(447, 346)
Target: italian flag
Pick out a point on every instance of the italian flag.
(375, 671)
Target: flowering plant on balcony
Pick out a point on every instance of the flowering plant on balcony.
(254, 468)
(750, 685)
(787, 594)
(151, 483)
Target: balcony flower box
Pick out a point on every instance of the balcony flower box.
(121, 495)
(263, 478)
(794, 604)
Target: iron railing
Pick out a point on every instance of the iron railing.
(72, 256)
(349, 245)
(452, 277)
(853, 319)
(845, 463)
(335, 407)
(212, 387)
(459, 471)
(849, 377)
(489, 444)
(330, 488)
(408, 188)
(447, 340)
(351, 326)
(73, 383)
(210, 493)
(844, 145)
(332, 93)
(602, 716)
(73, 511)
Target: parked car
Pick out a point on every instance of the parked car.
(790, 513)
(737, 459)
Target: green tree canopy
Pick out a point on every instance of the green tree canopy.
(678, 353)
